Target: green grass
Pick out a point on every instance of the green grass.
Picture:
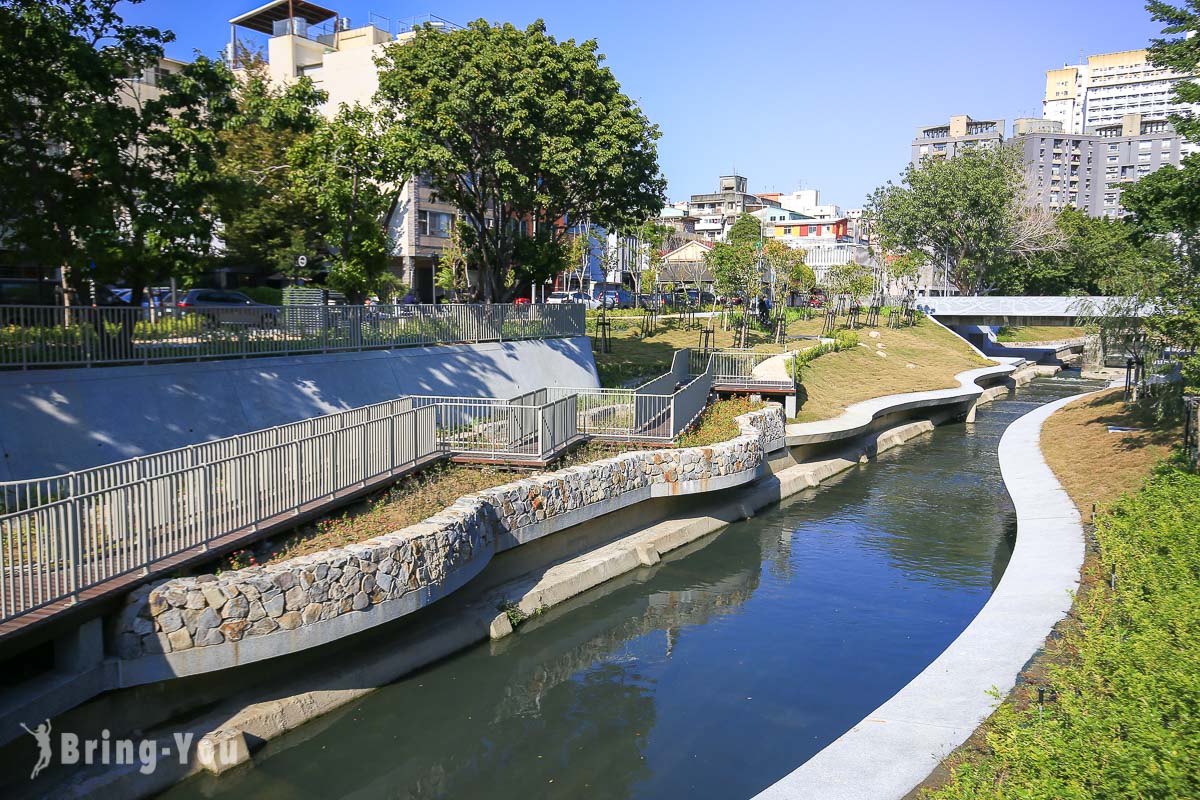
(634, 356)
(1123, 717)
(1038, 333)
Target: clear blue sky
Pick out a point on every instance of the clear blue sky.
(794, 94)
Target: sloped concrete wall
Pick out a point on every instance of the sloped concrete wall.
(55, 421)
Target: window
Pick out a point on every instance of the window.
(812, 229)
(434, 223)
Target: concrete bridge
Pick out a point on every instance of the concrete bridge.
(1019, 311)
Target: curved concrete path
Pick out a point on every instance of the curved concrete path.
(896, 746)
(858, 418)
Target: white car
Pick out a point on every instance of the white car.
(559, 298)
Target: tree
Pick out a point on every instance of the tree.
(1094, 249)
(647, 257)
(965, 213)
(513, 126)
(746, 229)
(266, 222)
(339, 171)
(452, 264)
(95, 176)
(734, 268)
(1164, 206)
(788, 265)
(851, 279)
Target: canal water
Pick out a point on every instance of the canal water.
(711, 675)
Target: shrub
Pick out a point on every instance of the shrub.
(1124, 716)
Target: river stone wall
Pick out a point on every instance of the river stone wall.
(422, 562)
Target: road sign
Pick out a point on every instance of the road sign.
(301, 261)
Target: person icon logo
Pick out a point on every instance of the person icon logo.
(42, 734)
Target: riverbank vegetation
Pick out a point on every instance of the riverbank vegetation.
(915, 359)
(1038, 333)
(1119, 707)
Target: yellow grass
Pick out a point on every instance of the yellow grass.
(1093, 465)
(836, 381)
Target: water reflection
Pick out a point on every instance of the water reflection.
(711, 675)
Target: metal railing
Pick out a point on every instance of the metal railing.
(64, 534)
(734, 369)
(54, 336)
(100, 524)
(619, 413)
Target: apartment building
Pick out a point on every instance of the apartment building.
(716, 212)
(806, 202)
(304, 39)
(945, 140)
(1101, 92)
(1089, 171)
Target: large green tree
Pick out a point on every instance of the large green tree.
(965, 214)
(266, 219)
(99, 174)
(513, 126)
(1094, 250)
(339, 172)
(746, 229)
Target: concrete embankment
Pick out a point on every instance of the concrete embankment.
(59, 420)
(542, 572)
(898, 744)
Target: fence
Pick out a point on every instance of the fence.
(54, 336)
(529, 427)
(64, 534)
(734, 369)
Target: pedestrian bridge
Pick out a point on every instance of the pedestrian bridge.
(1020, 311)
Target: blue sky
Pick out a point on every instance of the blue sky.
(794, 94)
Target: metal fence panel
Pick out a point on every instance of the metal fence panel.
(101, 525)
(80, 336)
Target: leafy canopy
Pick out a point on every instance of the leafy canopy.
(524, 134)
(100, 174)
(966, 213)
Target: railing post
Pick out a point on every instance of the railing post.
(75, 522)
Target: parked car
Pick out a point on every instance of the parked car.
(659, 300)
(559, 298)
(816, 298)
(221, 306)
(521, 301)
(615, 298)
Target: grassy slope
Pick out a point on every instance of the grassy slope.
(1124, 667)
(632, 356)
(1076, 440)
(835, 381)
(1038, 333)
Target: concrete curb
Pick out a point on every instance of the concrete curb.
(896, 746)
(858, 418)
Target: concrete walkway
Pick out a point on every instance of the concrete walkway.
(896, 746)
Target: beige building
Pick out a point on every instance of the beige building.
(1101, 93)
(308, 40)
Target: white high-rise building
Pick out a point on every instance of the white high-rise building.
(1089, 97)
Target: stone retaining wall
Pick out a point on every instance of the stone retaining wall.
(288, 602)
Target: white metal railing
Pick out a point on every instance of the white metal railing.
(127, 519)
(64, 534)
(54, 336)
(735, 369)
